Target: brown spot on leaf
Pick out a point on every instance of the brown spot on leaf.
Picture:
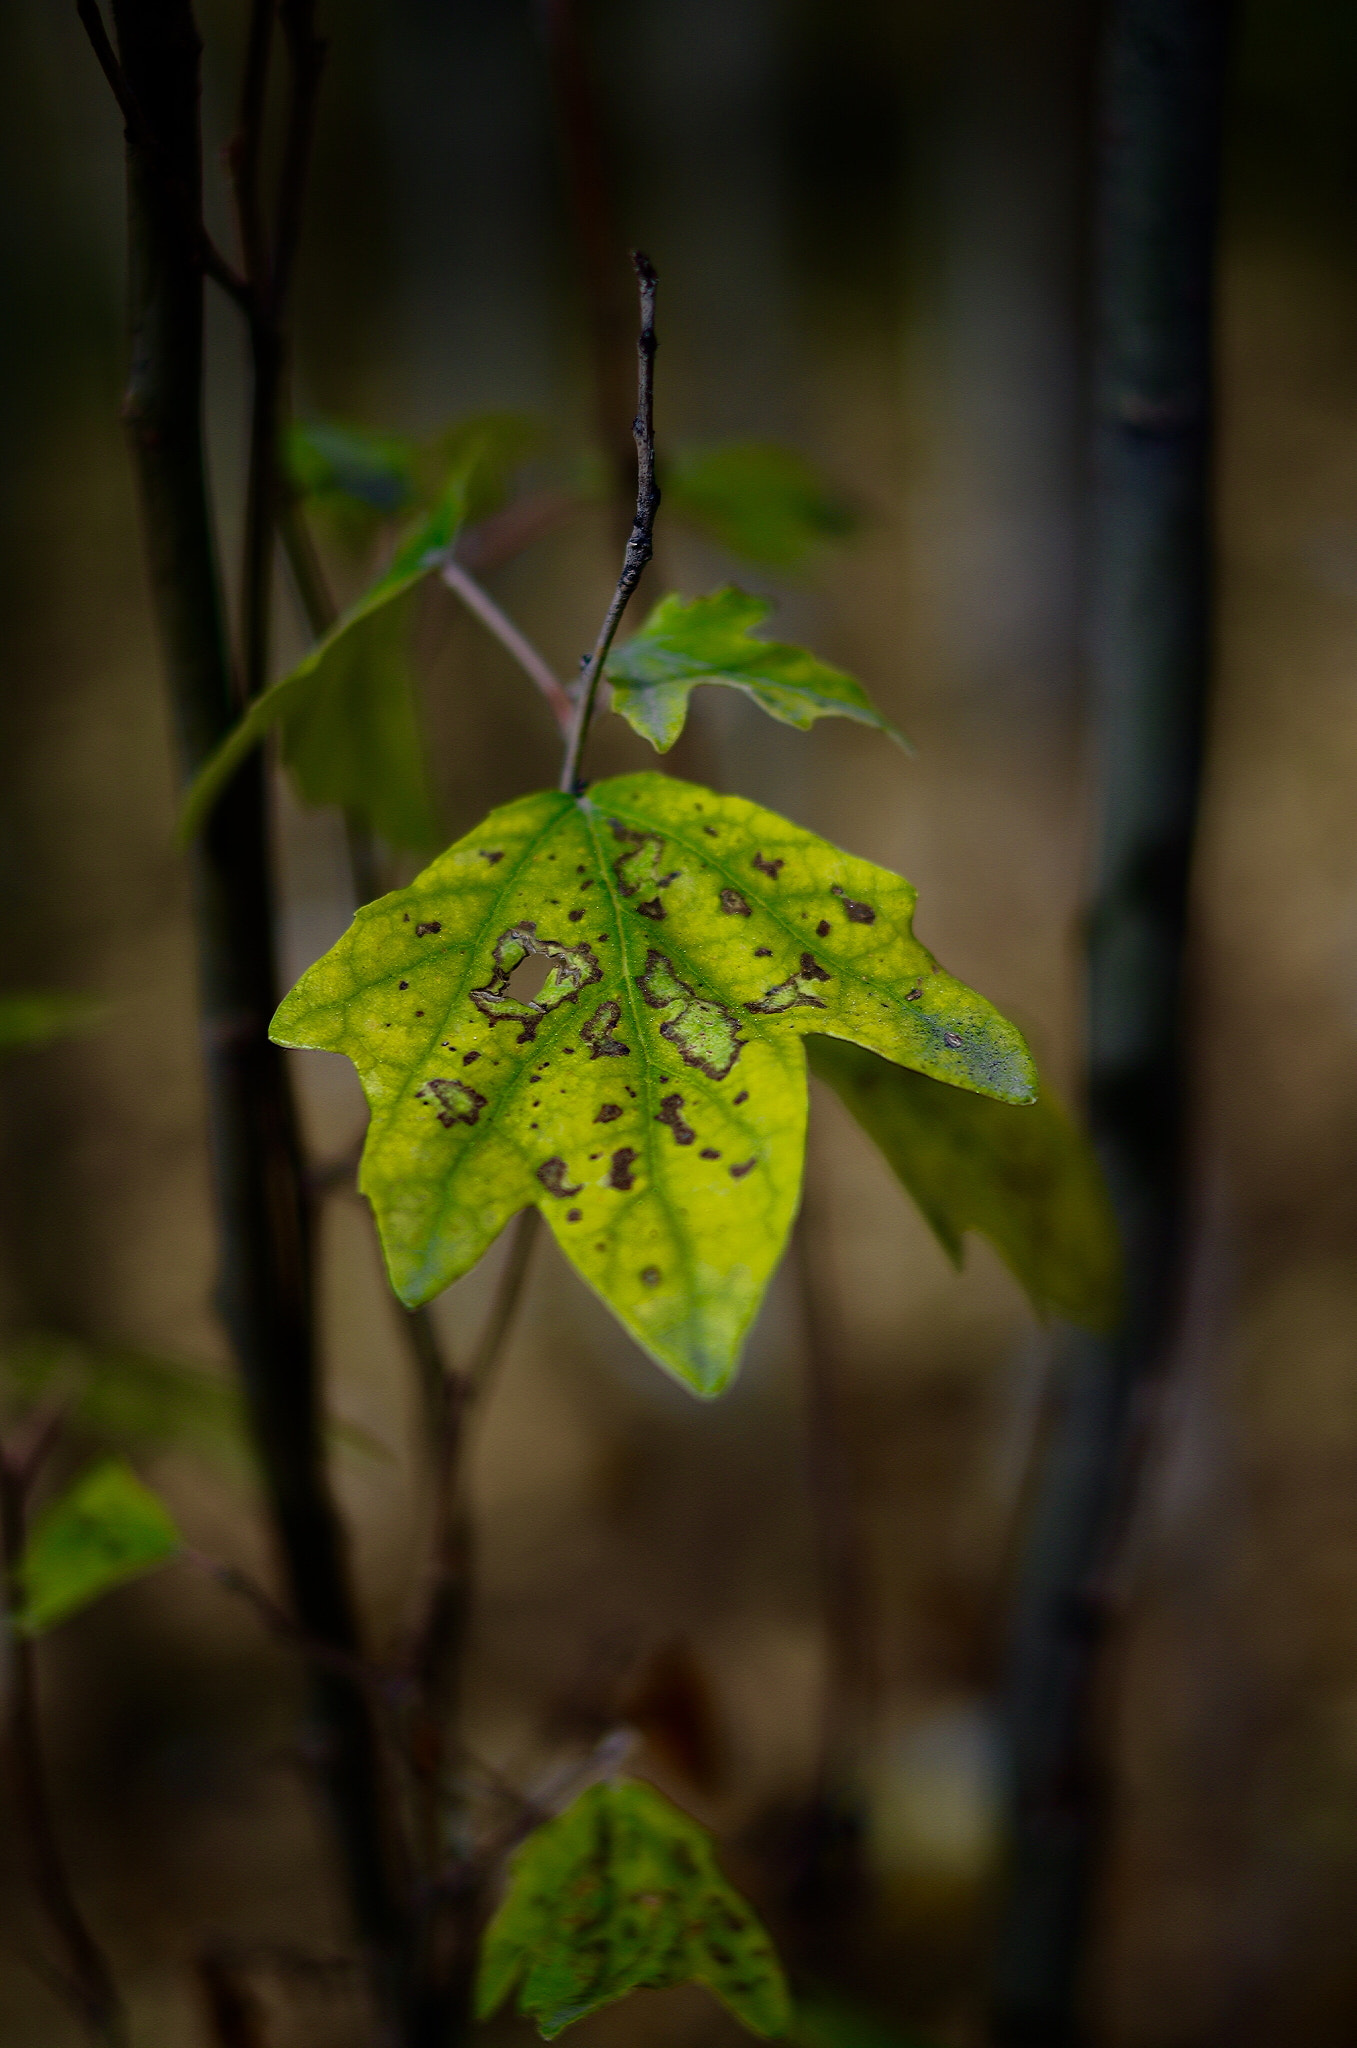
(654, 909)
(552, 1174)
(573, 1215)
(914, 995)
(575, 916)
(739, 1172)
(822, 929)
(650, 1276)
(771, 868)
(952, 1038)
(598, 1033)
(671, 1113)
(469, 1058)
(792, 993)
(858, 913)
(422, 930)
(705, 1032)
(609, 1113)
(743, 1096)
(709, 1152)
(733, 903)
(405, 984)
(620, 1175)
(457, 1103)
(486, 854)
(763, 952)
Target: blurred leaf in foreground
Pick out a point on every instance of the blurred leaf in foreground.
(1024, 1176)
(687, 641)
(119, 1395)
(347, 717)
(328, 460)
(758, 500)
(623, 1893)
(39, 1018)
(107, 1529)
(824, 2022)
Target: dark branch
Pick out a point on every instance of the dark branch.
(245, 151)
(138, 131)
(133, 119)
(640, 544)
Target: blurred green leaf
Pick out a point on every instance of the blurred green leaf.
(346, 715)
(686, 641)
(39, 1018)
(823, 2022)
(108, 1528)
(665, 1149)
(759, 500)
(326, 459)
(490, 446)
(114, 1394)
(1024, 1176)
(119, 1395)
(623, 1893)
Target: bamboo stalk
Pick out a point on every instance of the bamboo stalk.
(261, 1201)
(1159, 118)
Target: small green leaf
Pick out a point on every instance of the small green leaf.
(825, 2022)
(106, 1529)
(1025, 1178)
(650, 1095)
(685, 642)
(347, 718)
(377, 470)
(119, 1395)
(759, 500)
(490, 446)
(39, 1018)
(623, 1893)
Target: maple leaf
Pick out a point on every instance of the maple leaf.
(622, 1892)
(649, 1094)
(686, 641)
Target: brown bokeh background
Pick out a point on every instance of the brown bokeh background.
(867, 218)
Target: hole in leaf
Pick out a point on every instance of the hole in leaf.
(528, 979)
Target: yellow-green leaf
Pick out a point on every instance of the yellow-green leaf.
(685, 642)
(1025, 1178)
(650, 1095)
(622, 1892)
(759, 500)
(108, 1528)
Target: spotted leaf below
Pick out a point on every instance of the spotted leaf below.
(597, 1004)
(622, 1892)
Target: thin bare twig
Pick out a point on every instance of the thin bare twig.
(640, 544)
(133, 118)
(479, 601)
(245, 151)
(597, 240)
(306, 52)
(434, 1637)
(85, 1975)
(137, 129)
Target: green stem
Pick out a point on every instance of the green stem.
(262, 1207)
(1159, 124)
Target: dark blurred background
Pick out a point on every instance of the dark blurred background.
(869, 221)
